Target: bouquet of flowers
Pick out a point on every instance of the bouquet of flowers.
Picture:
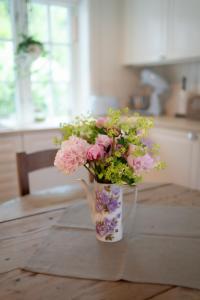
(115, 149)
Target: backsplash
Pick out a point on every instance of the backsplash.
(173, 74)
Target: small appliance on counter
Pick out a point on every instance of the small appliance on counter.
(147, 100)
(181, 101)
(193, 107)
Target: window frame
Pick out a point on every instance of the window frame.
(19, 22)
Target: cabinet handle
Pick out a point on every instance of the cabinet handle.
(192, 136)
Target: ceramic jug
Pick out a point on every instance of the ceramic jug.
(105, 201)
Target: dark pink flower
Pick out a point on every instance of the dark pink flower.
(103, 140)
(101, 122)
(95, 152)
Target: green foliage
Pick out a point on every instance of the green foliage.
(155, 149)
(84, 128)
(116, 170)
(144, 124)
(161, 165)
(27, 41)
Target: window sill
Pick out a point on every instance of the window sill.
(53, 124)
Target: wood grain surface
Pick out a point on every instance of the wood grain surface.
(21, 233)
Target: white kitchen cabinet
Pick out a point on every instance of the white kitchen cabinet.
(9, 145)
(181, 152)
(145, 22)
(184, 33)
(158, 32)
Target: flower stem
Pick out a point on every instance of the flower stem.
(90, 171)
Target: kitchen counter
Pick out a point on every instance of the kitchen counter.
(160, 122)
(177, 124)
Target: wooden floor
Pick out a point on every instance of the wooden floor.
(24, 225)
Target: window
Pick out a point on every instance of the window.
(7, 78)
(47, 85)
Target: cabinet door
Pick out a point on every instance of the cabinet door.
(195, 176)
(145, 31)
(176, 150)
(9, 145)
(184, 33)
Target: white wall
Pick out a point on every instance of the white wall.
(108, 76)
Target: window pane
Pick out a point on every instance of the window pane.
(41, 96)
(6, 61)
(38, 21)
(5, 28)
(40, 69)
(60, 64)
(60, 24)
(7, 103)
(62, 99)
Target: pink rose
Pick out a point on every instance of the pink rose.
(101, 122)
(142, 163)
(72, 155)
(103, 140)
(95, 152)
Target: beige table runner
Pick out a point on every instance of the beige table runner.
(161, 245)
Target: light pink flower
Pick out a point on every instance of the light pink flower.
(101, 122)
(71, 155)
(103, 140)
(95, 152)
(142, 163)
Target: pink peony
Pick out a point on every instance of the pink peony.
(101, 122)
(95, 152)
(71, 155)
(142, 163)
(103, 140)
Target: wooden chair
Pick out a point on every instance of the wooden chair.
(27, 163)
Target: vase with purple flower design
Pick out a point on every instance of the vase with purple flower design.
(108, 212)
(105, 201)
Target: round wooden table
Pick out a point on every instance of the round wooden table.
(24, 224)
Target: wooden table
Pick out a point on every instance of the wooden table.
(24, 224)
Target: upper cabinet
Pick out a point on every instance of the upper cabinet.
(144, 23)
(183, 30)
(158, 31)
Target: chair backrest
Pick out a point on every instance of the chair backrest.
(27, 163)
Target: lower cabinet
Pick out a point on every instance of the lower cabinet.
(181, 152)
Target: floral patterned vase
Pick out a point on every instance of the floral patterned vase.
(108, 212)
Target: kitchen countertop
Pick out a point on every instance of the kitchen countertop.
(162, 122)
(182, 124)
